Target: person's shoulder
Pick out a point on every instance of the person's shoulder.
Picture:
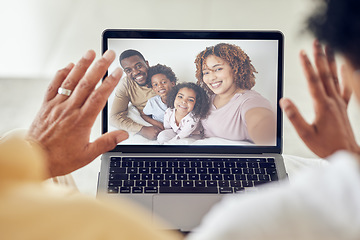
(155, 98)
(249, 95)
(169, 111)
(123, 85)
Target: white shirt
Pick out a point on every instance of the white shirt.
(186, 126)
(319, 204)
(156, 108)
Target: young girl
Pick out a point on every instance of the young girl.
(187, 104)
(162, 80)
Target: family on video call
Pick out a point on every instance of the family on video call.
(220, 104)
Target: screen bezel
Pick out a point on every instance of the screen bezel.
(194, 34)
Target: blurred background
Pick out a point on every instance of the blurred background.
(38, 37)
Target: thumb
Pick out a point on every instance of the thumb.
(107, 142)
(346, 84)
(299, 123)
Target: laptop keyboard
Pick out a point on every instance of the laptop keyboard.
(188, 175)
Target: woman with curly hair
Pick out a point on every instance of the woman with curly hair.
(187, 104)
(227, 75)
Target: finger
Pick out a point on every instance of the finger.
(60, 76)
(106, 142)
(301, 126)
(91, 78)
(315, 85)
(324, 72)
(346, 85)
(77, 73)
(330, 56)
(97, 100)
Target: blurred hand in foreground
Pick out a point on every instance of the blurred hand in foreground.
(331, 130)
(63, 125)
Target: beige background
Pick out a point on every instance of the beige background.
(40, 36)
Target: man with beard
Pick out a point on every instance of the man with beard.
(132, 89)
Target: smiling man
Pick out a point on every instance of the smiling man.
(132, 89)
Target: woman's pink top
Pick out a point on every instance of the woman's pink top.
(229, 121)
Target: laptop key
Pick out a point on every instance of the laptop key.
(151, 190)
(140, 183)
(125, 190)
(240, 177)
(248, 171)
(170, 177)
(146, 176)
(263, 177)
(138, 164)
(164, 189)
(238, 189)
(188, 183)
(181, 176)
(190, 170)
(214, 170)
(205, 177)
(235, 183)
(224, 184)
(228, 177)
(134, 176)
(199, 183)
(217, 177)
(247, 183)
(117, 170)
(144, 170)
(158, 176)
(115, 183)
(153, 183)
(212, 183)
(137, 189)
(179, 170)
(164, 183)
(118, 176)
(175, 183)
(253, 165)
(128, 183)
(256, 183)
(112, 189)
(225, 190)
(201, 170)
(267, 165)
(194, 177)
(260, 171)
(167, 170)
(253, 177)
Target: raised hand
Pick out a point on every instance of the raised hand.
(69, 110)
(331, 129)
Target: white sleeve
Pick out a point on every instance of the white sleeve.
(318, 204)
(167, 117)
(148, 107)
(189, 126)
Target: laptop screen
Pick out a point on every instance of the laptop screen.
(234, 72)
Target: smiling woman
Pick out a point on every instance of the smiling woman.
(225, 71)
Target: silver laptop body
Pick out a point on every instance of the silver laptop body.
(178, 49)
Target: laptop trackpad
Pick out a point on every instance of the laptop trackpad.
(184, 212)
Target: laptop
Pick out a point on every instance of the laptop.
(180, 181)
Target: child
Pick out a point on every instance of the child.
(162, 80)
(187, 104)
